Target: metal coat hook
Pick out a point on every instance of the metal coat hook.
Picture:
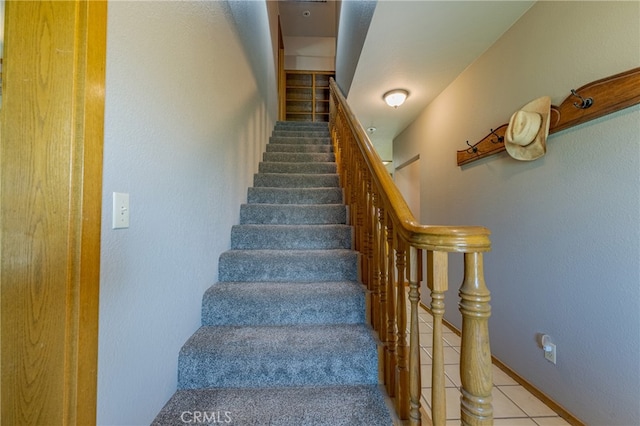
(472, 149)
(584, 103)
(500, 138)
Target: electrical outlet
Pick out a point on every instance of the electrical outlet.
(550, 352)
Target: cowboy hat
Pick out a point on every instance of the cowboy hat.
(528, 129)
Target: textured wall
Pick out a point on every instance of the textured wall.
(355, 17)
(565, 228)
(188, 112)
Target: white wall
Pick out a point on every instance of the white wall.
(310, 53)
(188, 113)
(565, 228)
(353, 24)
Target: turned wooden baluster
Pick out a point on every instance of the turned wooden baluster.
(392, 331)
(475, 356)
(360, 212)
(348, 183)
(437, 281)
(415, 417)
(375, 264)
(381, 263)
(336, 137)
(402, 371)
(346, 162)
(352, 172)
(367, 253)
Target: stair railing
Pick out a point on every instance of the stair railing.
(394, 248)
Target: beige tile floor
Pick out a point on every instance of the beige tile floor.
(513, 405)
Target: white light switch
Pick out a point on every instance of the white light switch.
(120, 210)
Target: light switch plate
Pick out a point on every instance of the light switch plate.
(120, 210)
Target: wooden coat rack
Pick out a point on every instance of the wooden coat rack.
(587, 103)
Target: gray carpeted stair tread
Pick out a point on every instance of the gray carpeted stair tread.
(291, 237)
(362, 405)
(297, 168)
(288, 265)
(295, 180)
(262, 356)
(296, 140)
(303, 125)
(321, 157)
(289, 214)
(293, 133)
(287, 123)
(266, 195)
(299, 148)
(289, 303)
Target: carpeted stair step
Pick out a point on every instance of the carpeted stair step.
(300, 406)
(301, 134)
(291, 237)
(301, 125)
(283, 147)
(268, 356)
(297, 168)
(288, 265)
(295, 195)
(288, 303)
(322, 157)
(283, 338)
(292, 180)
(293, 214)
(290, 140)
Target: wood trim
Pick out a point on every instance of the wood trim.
(570, 418)
(557, 408)
(51, 181)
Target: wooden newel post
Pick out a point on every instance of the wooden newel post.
(475, 357)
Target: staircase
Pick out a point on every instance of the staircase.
(283, 338)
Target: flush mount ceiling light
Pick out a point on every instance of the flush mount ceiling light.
(395, 98)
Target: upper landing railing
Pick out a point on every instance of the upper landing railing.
(394, 249)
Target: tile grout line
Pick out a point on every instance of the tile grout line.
(456, 348)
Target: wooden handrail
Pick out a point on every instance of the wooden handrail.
(393, 247)
(445, 238)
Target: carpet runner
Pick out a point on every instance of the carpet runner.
(283, 339)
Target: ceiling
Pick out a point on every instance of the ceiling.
(420, 46)
(320, 21)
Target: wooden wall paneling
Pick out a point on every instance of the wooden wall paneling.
(50, 179)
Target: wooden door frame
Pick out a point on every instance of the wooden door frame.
(51, 142)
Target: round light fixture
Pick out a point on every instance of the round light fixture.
(306, 13)
(395, 98)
